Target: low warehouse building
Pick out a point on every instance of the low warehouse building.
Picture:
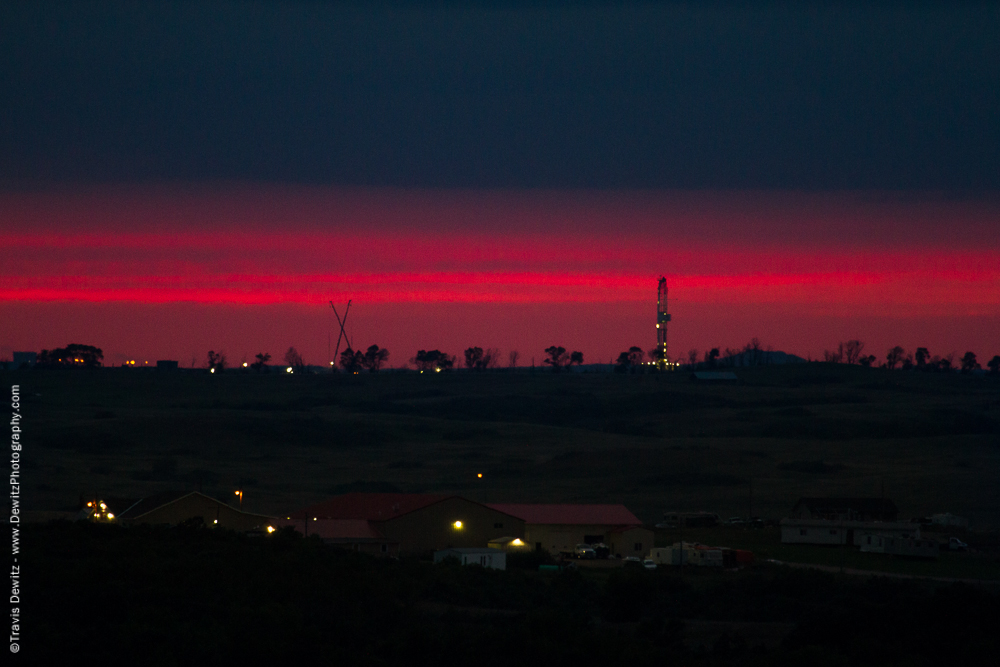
(559, 528)
(173, 508)
(351, 534)
(416, 522)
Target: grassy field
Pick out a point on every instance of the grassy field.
(653, 442)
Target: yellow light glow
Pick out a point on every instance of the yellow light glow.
(288, 370)
(216, 521)
(103, 506)
(110, 516)
(90, 504)
(457, 525)
(244, 364)
(212, 370)
(314, 518)
(517, 542)
(437, 370)
(479, 475)
(270, 529)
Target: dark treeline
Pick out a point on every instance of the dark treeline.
(558, 358)
(190, 595)
(853, 352)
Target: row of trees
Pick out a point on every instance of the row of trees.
(73, 355)
(852, 352)
(480, 359)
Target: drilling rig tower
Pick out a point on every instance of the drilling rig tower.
(662, 318)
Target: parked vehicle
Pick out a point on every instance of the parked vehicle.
(956, 544)
(631, 561)
(649, 564)
(584, 551)
(735, 521)
(601, 549)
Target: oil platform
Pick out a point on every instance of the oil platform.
(662, 319)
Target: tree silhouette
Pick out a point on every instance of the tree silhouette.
(711, 356)
(491, 357)
(512, 358)
(432, 360)
(629, 361)
(73, 355)
(262, 359)
(893, 357)
(474, 358)
(623, 363)
(753, 353)
(969, 362)
(867, 361)
(351, 361)
(576, 358)
(295, 360)
(216, 362)
(994, 364)
(908, 362)
(945, 362)
(374, 358)
(557, 357)
(693, 357)
(921, 356)
(852, 351)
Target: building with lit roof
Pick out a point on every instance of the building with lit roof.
(559, 528)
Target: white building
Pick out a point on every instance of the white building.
(824, 531)
(918, 547)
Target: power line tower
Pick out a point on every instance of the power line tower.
(662, 318)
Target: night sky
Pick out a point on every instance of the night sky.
(179, 176)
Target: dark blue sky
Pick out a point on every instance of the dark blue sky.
(520, 94)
